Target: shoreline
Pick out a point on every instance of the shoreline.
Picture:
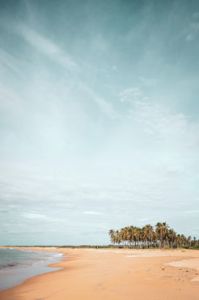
(35, 261)
(113, 274)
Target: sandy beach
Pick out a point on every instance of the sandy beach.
(115, 274)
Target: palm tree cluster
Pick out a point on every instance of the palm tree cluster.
(161, 235)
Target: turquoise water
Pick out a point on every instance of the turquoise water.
(18, 265)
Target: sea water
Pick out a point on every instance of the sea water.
(18, 265)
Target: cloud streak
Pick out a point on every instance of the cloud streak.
(98, 119)
(46, 46)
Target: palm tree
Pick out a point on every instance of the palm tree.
(130, 235)
(161, 236)
(118, 238)
(148, 234)
(189, 241)
(124, 235)
(172, 238)
(112, 236)
(138, 236)
(162, 233)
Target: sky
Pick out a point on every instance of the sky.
(99, 123)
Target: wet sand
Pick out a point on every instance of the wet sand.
(115, 274)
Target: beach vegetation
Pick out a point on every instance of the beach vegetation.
(148, 236)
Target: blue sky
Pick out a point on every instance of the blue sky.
(98, 118)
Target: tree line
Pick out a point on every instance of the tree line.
(159, 236)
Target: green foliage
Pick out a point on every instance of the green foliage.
(161, 236)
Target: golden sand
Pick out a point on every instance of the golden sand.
(115, 274)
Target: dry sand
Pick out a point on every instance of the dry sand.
(115, 275)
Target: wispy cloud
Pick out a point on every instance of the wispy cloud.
(97, 118)
(105, 106)
(192, 30)
(132, 95)
(35, 216)
(45, 46)
(92, 213)
(10, 102)
(9, 61)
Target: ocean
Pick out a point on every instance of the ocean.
(19, 265)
